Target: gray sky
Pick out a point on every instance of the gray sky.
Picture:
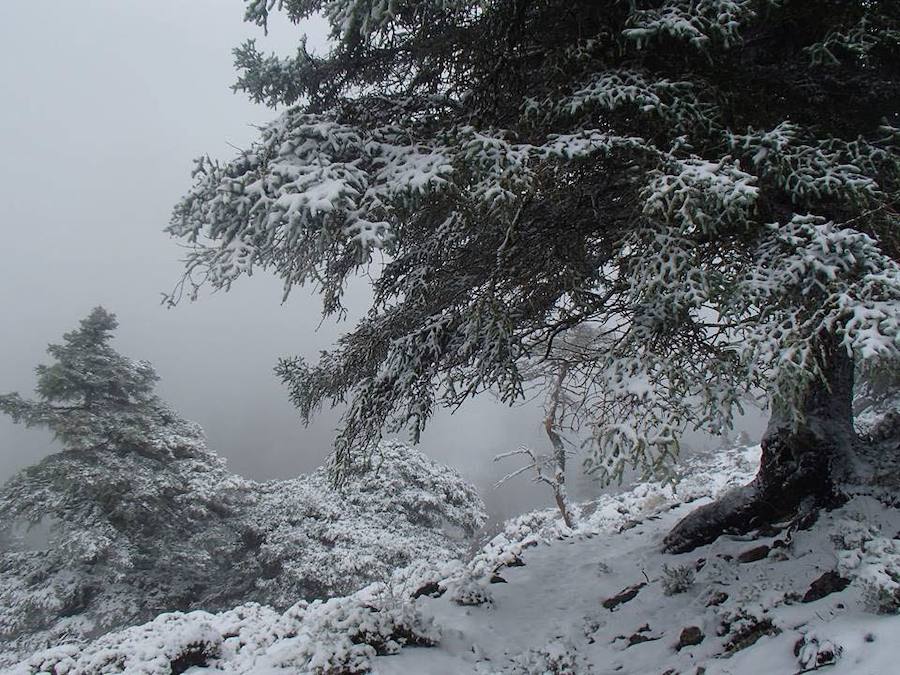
(105, 103)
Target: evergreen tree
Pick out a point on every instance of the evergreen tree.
(131, 518)
(90, 395)
(712, 184)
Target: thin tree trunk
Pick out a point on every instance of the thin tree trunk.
(559, 450)
(798, 467)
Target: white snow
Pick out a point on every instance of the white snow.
(549, 615)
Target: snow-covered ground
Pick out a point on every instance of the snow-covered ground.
(603, 598)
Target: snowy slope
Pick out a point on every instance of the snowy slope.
(554, 604)
(557, 605)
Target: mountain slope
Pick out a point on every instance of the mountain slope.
(601, 598)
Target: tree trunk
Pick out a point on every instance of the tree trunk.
(799, 465)
(559, 450)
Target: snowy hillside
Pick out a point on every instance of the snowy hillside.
(541, 598)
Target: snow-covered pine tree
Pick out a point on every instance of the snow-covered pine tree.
(712, 183)
(128, 520)
(91, 395)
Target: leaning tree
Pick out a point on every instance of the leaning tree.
(711, 186)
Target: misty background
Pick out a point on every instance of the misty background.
(104, 106)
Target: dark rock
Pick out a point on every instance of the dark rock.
(828, 583)
(821, 654)
(690, 636)
(497, 579)
(195, 655)
(624, 596)
(806, 520)
(638, 638)
(754, 554)
(791, 598)
(516, 562)
(769, 530)
(629, 524)
(749, 634)
(700, 564)
(431, 590)
(717, 599)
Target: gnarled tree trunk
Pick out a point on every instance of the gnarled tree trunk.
(799, 463)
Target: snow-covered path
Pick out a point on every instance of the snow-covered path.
(554, 604)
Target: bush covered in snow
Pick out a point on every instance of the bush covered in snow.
(334, 637)
(677, 579)
(314, 541)
(557, 657)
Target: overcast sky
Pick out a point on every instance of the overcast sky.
(104, 105)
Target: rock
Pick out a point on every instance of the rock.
(807, 520)
(690, 636)
(516, 562)
(754, 554)
(638, 638)
(194, 655)
(432, 590)
(629, 525)
(769, 531)
(779, 555)
(749, 634)
(813, 654)
(717, 599)
(828, 583)
(497, 579)
(624, 596)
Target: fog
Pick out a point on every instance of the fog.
(105, 104)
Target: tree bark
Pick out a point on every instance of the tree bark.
(559, 450)
(799, 465)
